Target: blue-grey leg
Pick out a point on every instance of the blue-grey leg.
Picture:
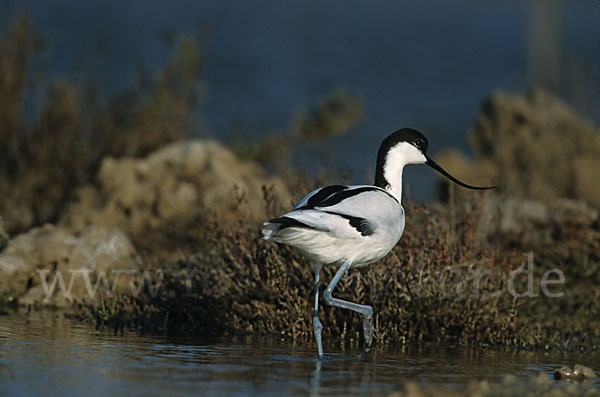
(366, 311)
(317, 326)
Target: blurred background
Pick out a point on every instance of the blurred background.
(100, 102)
(246, 72)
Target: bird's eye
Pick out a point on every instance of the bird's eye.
(419, 143)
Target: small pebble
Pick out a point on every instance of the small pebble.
(563, 373)
(578, 373)
(586, 372)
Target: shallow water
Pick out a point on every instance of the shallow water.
(44, 353)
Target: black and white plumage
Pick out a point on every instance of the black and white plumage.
(338, 223)
(350, 226)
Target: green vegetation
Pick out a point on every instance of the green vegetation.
(36, 179)
(334, 114)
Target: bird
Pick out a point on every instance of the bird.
(350, 226)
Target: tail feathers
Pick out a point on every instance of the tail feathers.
(269, 230)
(274, 226)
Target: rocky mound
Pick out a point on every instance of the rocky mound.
(151, 205)
(51, 265)
(172, 186)
(532, 146)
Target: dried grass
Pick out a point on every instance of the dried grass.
(445, 282)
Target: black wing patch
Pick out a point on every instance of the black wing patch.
(316, 199)
(335, 194)
(286, 222)
(365, 227)
(345, 194)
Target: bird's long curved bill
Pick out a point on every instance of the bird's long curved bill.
(439, 169)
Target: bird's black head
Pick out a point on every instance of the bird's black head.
(398, 149)
(414, 138)
(408, 135)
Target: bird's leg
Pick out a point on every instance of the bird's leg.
(366, 311)
(317, 326)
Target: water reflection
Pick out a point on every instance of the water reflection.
(46, 353)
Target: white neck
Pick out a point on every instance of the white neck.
(397, 157)
(395, 184)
